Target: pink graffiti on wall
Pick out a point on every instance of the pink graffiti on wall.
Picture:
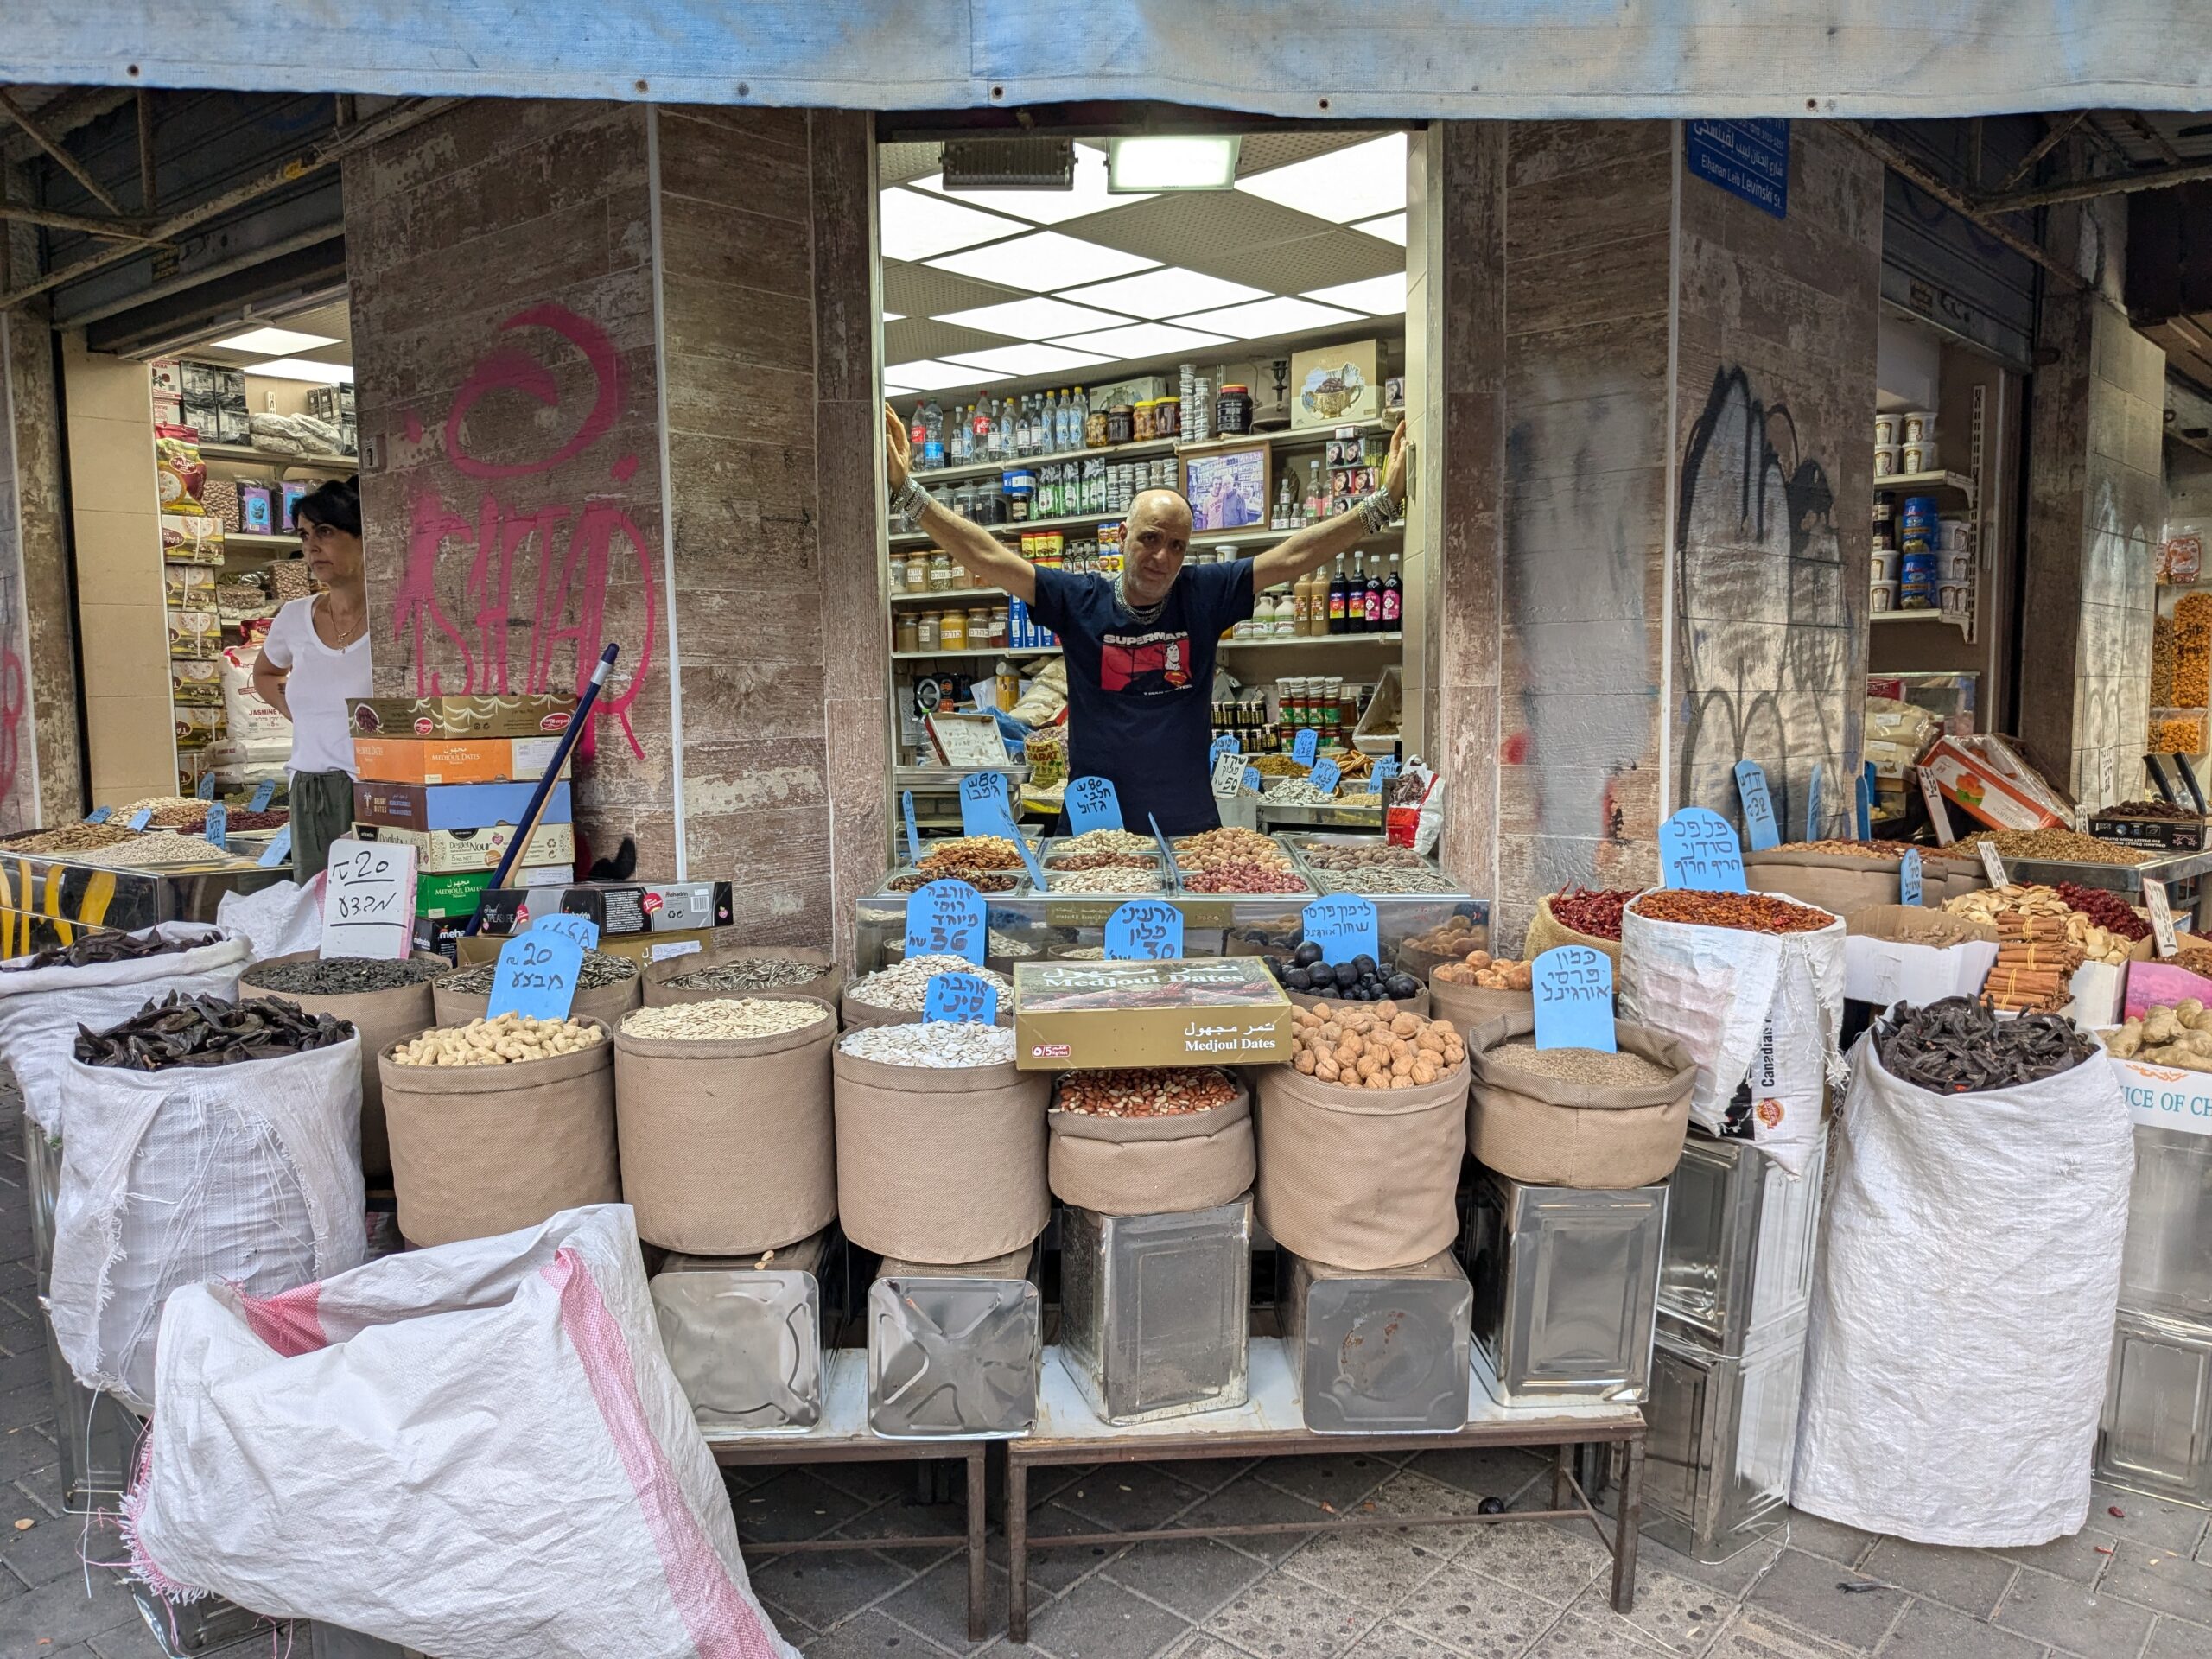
(567, 600)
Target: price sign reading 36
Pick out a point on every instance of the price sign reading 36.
(945, 918)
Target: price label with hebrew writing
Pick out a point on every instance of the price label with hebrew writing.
(581, 929)
(368, 903)
(99, 815)
(1698, 849)
(1252, 778)
(1812, 830)
(983, 809)
(960, 999)
(138, 820)
(1939, 814)
(1909, 890)
(1326, 776)
(1229, 769)
(1573, 986)
(277, 850)
(205, 790)
(536, 977)
(217, 830)
(913, 829)
(1227, 743)
(1144, 930)
(1092, 804)
(2162, 916)
(1993, 863)
(264, 792)
(1385, 770)
(945, 918)
(1344, 925)
(1305, 746)
(1760, 828)
(1863, 801)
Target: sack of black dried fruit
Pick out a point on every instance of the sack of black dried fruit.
(1958, 1046)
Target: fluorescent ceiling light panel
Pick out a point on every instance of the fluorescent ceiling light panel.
(1142, 340)
(890, 390)
(1039, 319)
(1264, 317)
(1171, 163)
(894, 316)
(1355, 183)
(1391, 228)
(1046, 260)
(277, 342)
(1043, 207)
(298, 368)
(1164, 293)
(928, 374)
(1380, 296)
(1029, 359)
(916, 227)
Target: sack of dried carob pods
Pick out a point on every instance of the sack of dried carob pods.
(1977, 1158)
(207, 1140)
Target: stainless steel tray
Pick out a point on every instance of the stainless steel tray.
(1325, 881)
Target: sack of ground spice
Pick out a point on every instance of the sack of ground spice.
(1578, 916)
(775, 971)
(608, 986)
(1752, 985)
(729, 1144)
(1577, 1116)
(1156, 1141)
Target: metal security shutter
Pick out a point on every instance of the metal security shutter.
(1940, 267)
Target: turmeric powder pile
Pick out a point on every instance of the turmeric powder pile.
(2179, 1035)
(1375, 1047)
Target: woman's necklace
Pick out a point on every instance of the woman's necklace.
(344, 631)
(1147, 613)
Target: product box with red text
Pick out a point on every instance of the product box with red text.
(1988, 778)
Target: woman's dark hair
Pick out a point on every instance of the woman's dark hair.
(337, 504)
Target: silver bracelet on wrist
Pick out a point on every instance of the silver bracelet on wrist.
(910, 497)
(1377, 511)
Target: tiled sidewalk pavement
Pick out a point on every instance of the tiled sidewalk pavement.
(1497, 1592)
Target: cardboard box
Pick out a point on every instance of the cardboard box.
(451, 760)
(480, 849)
(487, 716)
(1334, 385)
(1987, 778)
(2174, 835)
(456, 893)
(680, 906)
(2165, 1096)
(616, 906)
(454, 806)
(639, 947)
(1889, 972)
(1206, 1011)
(2151, 981)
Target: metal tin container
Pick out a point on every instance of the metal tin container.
(745, 1340)
(211, 1627)
(955, 1352)
(1153, 1320)
(1566, 1283)
(1723, 1437)
(2166, 1266)
(1379, 1353)
(43, 1179)
(1741, 1236)
(98, 1435)
(2156, 1432)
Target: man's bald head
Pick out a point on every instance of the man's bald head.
(1154, 537)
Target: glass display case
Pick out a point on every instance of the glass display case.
(46, 901)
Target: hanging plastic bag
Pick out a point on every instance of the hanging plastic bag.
(280, 920)
(477, 1449)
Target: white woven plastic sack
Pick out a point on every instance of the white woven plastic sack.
(1962, 1307)
(249, 1172)
(476, 1450)
(279, 920)
(1765, 1007)
(40, 1009)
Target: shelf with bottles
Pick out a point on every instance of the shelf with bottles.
(1392, 641)
(986, 651)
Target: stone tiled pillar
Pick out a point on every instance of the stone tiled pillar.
(40, 744)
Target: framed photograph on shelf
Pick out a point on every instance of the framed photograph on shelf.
(1227, 485)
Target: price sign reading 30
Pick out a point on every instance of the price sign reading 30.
(1144, 930)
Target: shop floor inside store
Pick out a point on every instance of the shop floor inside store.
(2136, 1581)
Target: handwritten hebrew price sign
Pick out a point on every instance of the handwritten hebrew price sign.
(1574, 986)
(536, 977)
(960, 999)
(1144, 930)
(1698, 849)
(368, 904)
(945, 918)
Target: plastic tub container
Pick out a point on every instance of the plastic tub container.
(1885, 563)
(1883, 597)
(1889, 459)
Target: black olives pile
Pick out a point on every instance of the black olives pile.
(1358, 980)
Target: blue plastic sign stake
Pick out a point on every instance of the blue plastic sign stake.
(1573, 986)
(1385, 770)
(264, 792)
(1908, 877)
(1037, 879)
(914, 833)
(536, 977)
(1698, 849)
(206, 792)
(960, 999)
(1227, 743)
(1252, 779)
(277, 850)
(1145, 930)
(1344, 925)
(1325, 776)
(581, 929)
(218, 829)
(1864, 801)
(945, 918)
(141, 819)
(1167, 854)
(1759, 826)
(99, 815)
(1092, 804)
(983, 811)
(1813, 805)
(1305, 746)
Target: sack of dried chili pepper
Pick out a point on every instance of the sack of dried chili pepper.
(1579, 916)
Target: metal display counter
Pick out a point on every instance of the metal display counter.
(2183, 873)
(1273, 817)
(46, 900)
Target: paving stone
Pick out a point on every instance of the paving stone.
(1971, 1580)
(1099, 1619)
(1377, 1569)
(1407, 1493)
(1679, 1615)
(820, 1588)
(1207, 1474)
(936, 1604)
(1556, 1566)
(1731, 1577)
(1752, 1633)
(1056, 1569)
(1390, 1640)
(2175, 1638)
(1342, 1481)
(1285, 1618)
(1194, 1576)
(871, 1636)
(1807, 1591)
(797, 1504)
(1126, 1497)
(2144, 1520)
(1577, 1637)
(56, 1549)
(2162, 1580)
(1481, 1616)
(2068, 1617)
(1817, 1536)
(1199, 1645)
(60, 1612)
(1926, 1630)
(2080, 1556)
(1249, 1500)
(1486, 1471)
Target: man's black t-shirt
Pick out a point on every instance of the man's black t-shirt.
(1141, 694)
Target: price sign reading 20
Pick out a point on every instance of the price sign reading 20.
(536, 977)
(946, 918)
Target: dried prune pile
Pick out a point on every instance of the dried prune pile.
(203, 1030)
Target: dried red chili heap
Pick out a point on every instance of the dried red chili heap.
(1592, 910)
(2106, 909)
(1750, 912)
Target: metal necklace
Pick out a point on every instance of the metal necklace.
(1148, 613)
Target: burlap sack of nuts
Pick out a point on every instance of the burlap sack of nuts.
(1153, 1165)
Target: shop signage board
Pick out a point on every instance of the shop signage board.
(2165, 1097)
(277, 850)
(1326, 776)
(1144, 930)
(1573, 988)
(1229, 769)
(1305, 746)
(1747, 158)
(913, 830)
(1759, 827)
(368, 902)
(581, 929)
(983, 809)
(1698, 849)
(536, 976)
(1909, 885)
(1092, 804)
(217, 831)
(2162, 916)
(945, 918)
(1343, 924)
(264, 792)
(960, 999)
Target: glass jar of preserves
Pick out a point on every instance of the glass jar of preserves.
(952, 631)
(1001, 622)
(917, 572)
(906, 634)
(1167, 419)
(979, 627)
(1094, 429)
(1232, 411)
(1121, 422)
(940, 572)
(1141, 421)
(926, 632)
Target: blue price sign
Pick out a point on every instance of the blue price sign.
(1865, 801)
(914, 833)
(1326, 776)
(1343, 925)
(1028, 859)
(1227, 743)
(99, 815)
(218, 829)
(1385, 770)
(141, 819)
(960, 999)
(983, 811)
(1573, 986)
(1092, 804)
(945, 918)
(207, 790)
(581, 929)
(1813, 805)
(1167, 854)
(536, 977)
(1909, 890)
(264, 792)
(1145, 930)
(277, 850)
(1759, 826)
(1698, 849)
(1305, 746)
(1252, 779)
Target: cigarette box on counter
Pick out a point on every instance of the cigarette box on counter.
(454, 759)
(1208, 1011)
(673, 906)
(454, 806)
(2174, 835)
(476, 848)
(487, 716)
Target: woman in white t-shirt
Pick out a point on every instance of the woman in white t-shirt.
(314, 661)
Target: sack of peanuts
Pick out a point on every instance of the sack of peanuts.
(1752, 984)
(1156, 1141)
